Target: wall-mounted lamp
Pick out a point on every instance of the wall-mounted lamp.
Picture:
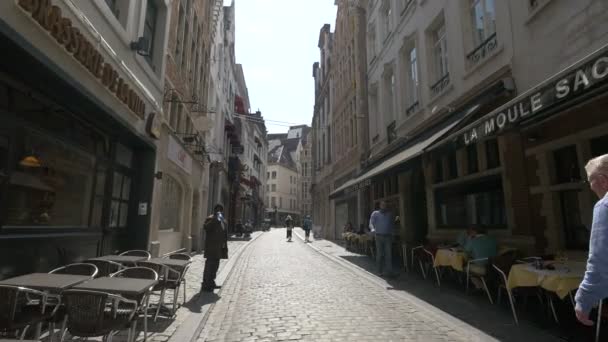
(30, 161)
(141, 46)
(158, 175)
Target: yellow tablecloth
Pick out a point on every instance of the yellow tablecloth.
(452, 258)
(567, 277)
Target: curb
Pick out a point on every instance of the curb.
(192, 326)
(473, 333)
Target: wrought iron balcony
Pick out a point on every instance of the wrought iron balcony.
(483, 50)
(439, 86)
(412, 109)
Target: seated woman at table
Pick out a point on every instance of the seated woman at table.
(463, 238)
(480, 244)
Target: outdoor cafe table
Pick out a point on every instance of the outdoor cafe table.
(127, 287)
(454, 258)
(564, 279)
(173, 263)
(122, 259)
(49, 282)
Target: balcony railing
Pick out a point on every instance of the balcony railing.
(391, 134)
(439, 86)
(483, 50)
(412, 109)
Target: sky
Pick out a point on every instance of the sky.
(276, 42)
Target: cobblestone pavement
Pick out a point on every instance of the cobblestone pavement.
(164, 328)
(282, 291)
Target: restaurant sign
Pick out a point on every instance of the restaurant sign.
(177, 154)
(50, 18)
(572, 84)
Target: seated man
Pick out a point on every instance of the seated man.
(464, 237)
(480, 245)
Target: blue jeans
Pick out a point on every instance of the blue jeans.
(384, 253)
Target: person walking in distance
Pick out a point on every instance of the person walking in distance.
(307, 226)
(289, 226)
(594, 286)
(216, 247)
(381, 223)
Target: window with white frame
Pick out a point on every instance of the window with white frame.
(440, 51)
(274, 187)
(150, 26)
(387, 13)
(371, 42)
(179, 39)
(411, 77)
(483, 20)
(389, 97)
(186, 38)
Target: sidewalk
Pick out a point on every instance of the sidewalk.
(448, 300)
(190, 314)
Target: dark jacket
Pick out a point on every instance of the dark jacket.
(216, 238)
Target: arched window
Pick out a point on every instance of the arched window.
(171, 204)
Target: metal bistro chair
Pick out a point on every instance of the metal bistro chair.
(169, 279)
(137, 252)
(478, 268)
(430, 261)
(105, 267)
(84, 269)
(182, 256)
(22, 307)
(502, 265)
(94, 314)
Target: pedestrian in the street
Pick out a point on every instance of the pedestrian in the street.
(216, 247)
(289, 226)
(307, 226)
(382, 224)
(594, 286)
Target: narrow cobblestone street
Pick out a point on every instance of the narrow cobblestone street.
(287, 291)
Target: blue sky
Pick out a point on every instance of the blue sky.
(276, 42)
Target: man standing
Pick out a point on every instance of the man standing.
(216, 247)
(594, 286)
(381, 223)
(289, 225)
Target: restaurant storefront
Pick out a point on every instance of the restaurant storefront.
(76, 165)
(519, 170)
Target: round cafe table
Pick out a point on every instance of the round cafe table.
(451, 257)
(565, 278)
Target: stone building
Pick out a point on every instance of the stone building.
(82, 87)
(485, 119)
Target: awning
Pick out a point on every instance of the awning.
(579, 82)
(408, 153)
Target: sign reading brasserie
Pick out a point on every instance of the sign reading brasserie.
(50, 18)
(591, 73)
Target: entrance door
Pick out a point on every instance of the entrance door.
(575, 233)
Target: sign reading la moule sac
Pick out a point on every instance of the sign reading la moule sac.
(574, 83)
(49, 17)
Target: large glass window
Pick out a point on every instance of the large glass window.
(480, 203)
(150, 28)
(566, 165)
(440, 52)
(51, 183)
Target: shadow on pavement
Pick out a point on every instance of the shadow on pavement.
(196, 303)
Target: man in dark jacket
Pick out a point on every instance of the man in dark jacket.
(216, 247)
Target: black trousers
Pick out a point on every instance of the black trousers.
(211, 266)
(307, 232)
(289, 233)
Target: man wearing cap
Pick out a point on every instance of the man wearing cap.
(216, 247)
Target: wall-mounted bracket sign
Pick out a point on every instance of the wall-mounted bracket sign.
(50, 18)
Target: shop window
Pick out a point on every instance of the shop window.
(492, 154)
(274, 202)
(171, 204)
(480, 203)
(438, 172)
(121, 190)
(566, 165)
(472, 160)
(50, 184)
(599, 146)
(452, 166)
(576, 234)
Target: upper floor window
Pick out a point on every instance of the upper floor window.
(274, 175)
(179, 39)
(411, 78)
(113, 5)
(387, 12)
(371, 42)
(150, 28)
(440, 51)
(483, 20)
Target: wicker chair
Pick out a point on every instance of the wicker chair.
(94, 314)
(182, 256)
(105, 267)
(169, 279)
(22, 307)
(83, 269)
(137, 252)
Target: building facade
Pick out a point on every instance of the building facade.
(79, 129)
(305, 178)
(485, 119)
